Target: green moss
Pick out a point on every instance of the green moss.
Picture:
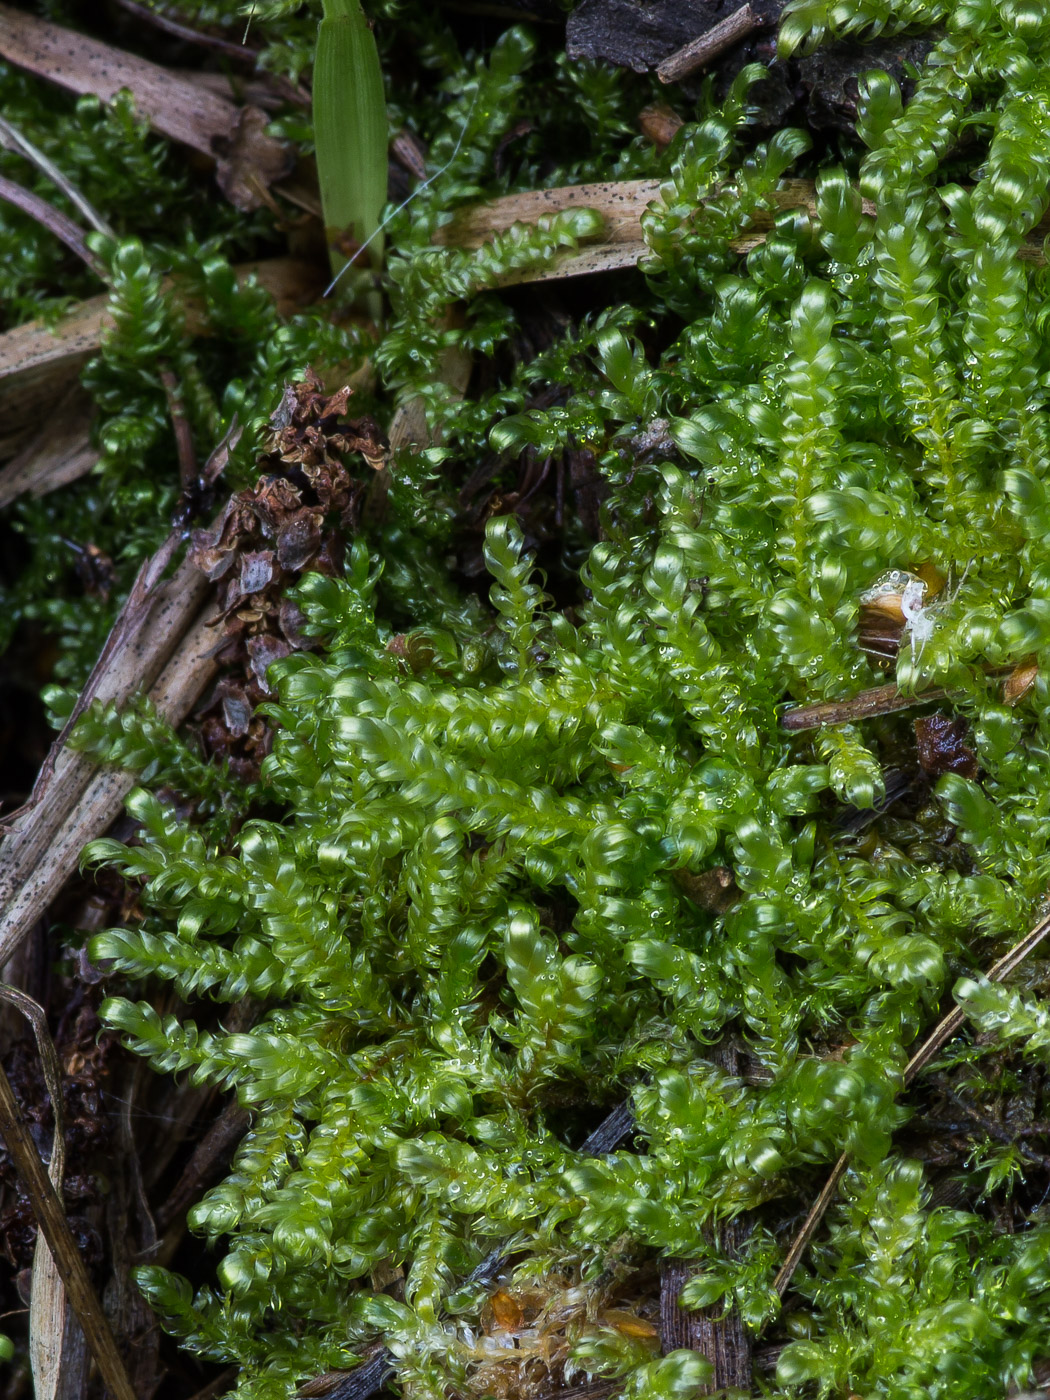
(478, 923)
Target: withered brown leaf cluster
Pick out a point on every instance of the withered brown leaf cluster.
(295, 519)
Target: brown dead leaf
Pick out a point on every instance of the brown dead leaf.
(249, 160)
(1019, 682)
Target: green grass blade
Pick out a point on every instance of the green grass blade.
(350, 130)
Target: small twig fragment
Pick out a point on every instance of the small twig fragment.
(698, 53)
(880, 700)
(181, 427)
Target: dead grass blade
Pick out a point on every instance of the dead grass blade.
(167, 651)
(248, 161)
(621, 204)
(38, 361)
(948, 1027)
(60, 453)
(84, 65)
(125, 640)
(14, 140)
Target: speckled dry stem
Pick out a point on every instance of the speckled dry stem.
(622, 204)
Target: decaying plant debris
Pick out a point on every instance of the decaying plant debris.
(608, 648)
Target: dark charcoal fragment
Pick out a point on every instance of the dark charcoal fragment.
(640, 36)
(831, 76)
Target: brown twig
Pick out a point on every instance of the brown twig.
(880, 700)
(213, 1148)
(55, 1228)
(944, 1031)
(181, 427)
(240, 53)
(699, 52)
(47, 216)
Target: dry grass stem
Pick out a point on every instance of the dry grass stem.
(16, 141)
(47, 216)
(948, 1027)
(56, 1343)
